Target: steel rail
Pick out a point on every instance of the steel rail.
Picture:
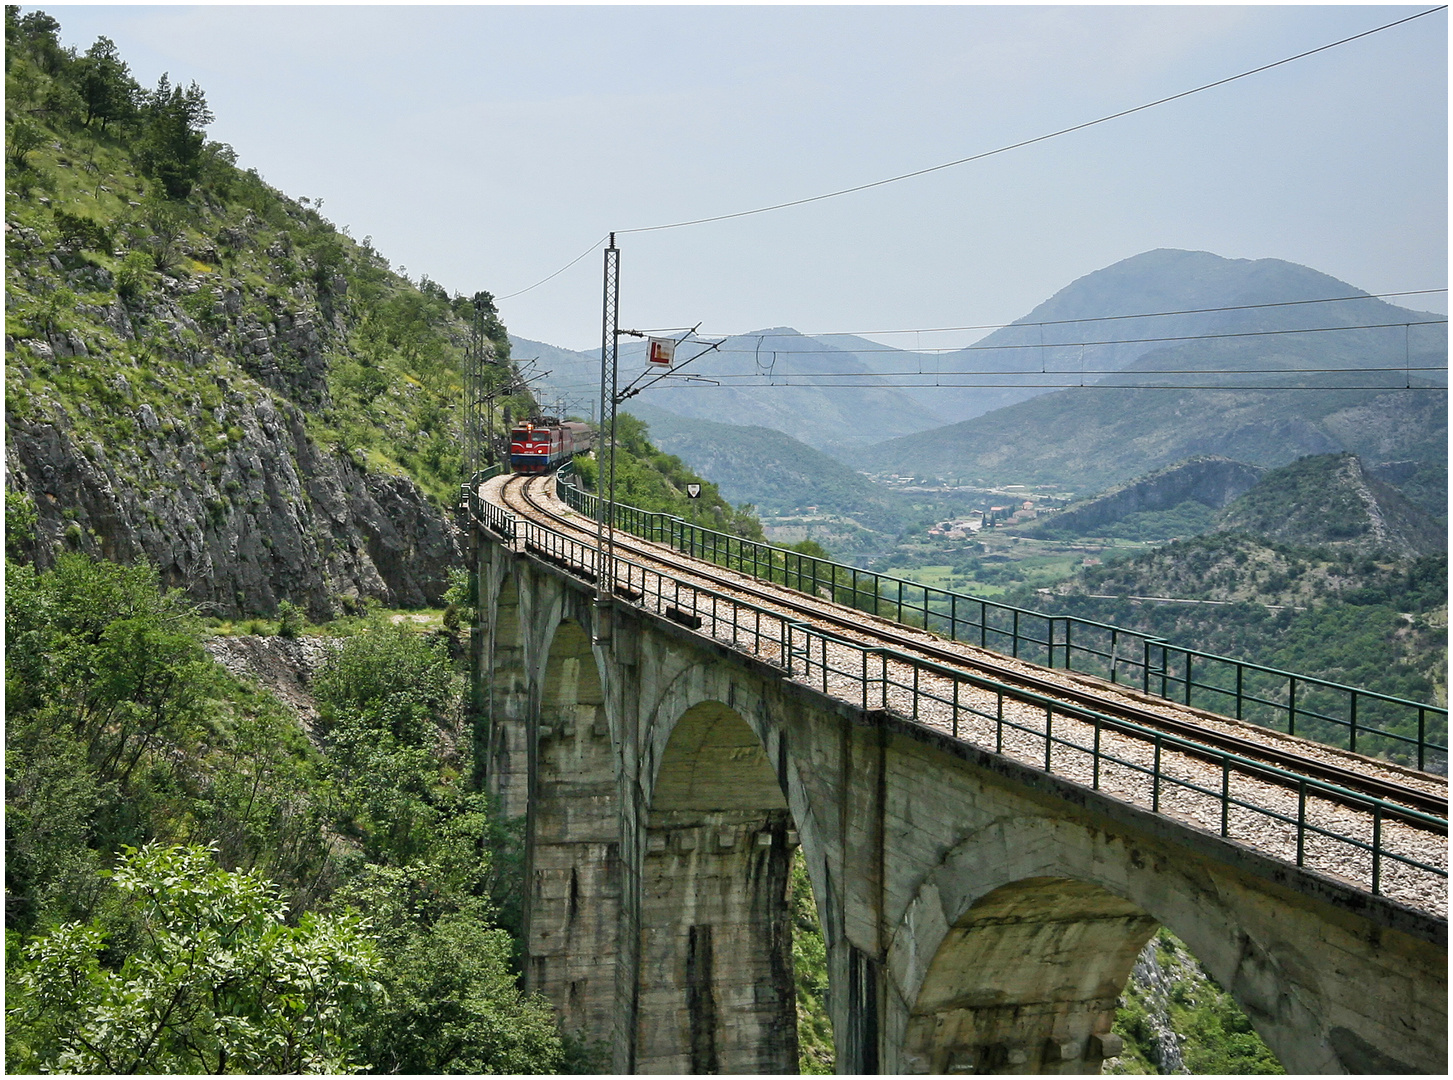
(1216, 742)
(1185, 677)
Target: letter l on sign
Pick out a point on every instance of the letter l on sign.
(660, 351)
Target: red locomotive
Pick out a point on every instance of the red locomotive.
(538, 446)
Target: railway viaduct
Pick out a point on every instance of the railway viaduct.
(980, 915)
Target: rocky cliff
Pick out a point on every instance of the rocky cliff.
(226, 385)
(267, 517)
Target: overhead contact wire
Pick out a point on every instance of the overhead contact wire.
(557, 273)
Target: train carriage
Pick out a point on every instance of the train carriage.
(541, 446)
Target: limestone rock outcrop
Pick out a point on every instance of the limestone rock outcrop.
(265, 517)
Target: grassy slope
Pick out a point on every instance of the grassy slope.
(1329, 498)
(1342, 616)
(769, 469)
(245, 261)
(1326, 572)
(650, 479)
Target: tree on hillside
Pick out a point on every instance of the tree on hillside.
(384, 699)
(40, 36)
(389, 697)
(105, 84)
(175, 122)
(452, 1005)
(23, 137)
(12, 32)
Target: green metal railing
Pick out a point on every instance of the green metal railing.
(1408, 732)
(1236, 797)
(494, 517)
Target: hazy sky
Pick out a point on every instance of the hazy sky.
(488, 146)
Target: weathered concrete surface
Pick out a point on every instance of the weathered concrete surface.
(978, 914)
(716, 992)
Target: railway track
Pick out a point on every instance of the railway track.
(1109, 700)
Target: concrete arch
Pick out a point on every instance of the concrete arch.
(1076, 904)
(715, 991)
(1027, 981)
(804, 756)
(695, 685)
(907, 836)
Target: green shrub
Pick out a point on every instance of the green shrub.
(290, 619)
(134, 277)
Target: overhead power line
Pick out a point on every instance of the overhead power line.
(1403, 386)
(812, 378)
(987, 153)
(557, 273)
(1037, 139)
(1112, 318)
(1104, 341)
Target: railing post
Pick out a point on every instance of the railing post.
(865, 684)
(1377, 850)
(1301, 822)
(1292, 705)
(1225, 794)
(1155, 779)
(1352, 721)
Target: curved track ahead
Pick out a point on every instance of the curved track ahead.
(854, 624)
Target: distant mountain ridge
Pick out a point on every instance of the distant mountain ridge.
(832, 400)
(1332, 500)
(1257, 384)
(1250, 384)
(1093, 438)
(1211, 481)
(1108, 319)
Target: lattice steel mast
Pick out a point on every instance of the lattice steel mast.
(606, 462)
(476, 416)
